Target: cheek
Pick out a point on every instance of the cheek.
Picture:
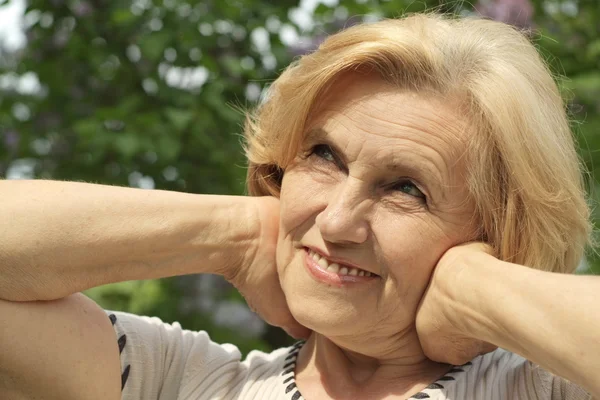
(300, 202)
(411, 246)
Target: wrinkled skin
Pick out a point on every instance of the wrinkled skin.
(441, 333)
(380, 183)
(256, 276)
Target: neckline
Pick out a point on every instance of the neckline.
(292, 392)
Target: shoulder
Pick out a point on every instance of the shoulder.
(59, 349)
(502, 375)
(165, 361)
(498, 365)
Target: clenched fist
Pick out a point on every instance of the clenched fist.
(442, 331)
(257, 278)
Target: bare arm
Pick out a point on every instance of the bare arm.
(548, 318)
(58, 238)
(58, 350)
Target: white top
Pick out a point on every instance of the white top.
(164, 362)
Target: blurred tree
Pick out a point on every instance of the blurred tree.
(140, 93)
(569, 38)
(145, 93)
(134, 90)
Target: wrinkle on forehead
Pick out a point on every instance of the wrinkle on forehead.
(398, 112)
(401, 160)
(420, 131)
(354, 90)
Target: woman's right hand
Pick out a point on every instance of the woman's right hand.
(257, 278)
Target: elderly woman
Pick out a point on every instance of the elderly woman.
(421, 205)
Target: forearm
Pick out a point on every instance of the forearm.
(547, 318)
(58, 238)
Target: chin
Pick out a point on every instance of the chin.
(324, 307)
(325, 318)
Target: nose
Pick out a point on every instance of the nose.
(343, 221)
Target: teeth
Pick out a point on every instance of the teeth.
(323, 263)
(335, 267)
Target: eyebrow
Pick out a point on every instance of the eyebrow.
(416, 172)
(316, 133)
(321, 134)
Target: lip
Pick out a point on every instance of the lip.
(340, 261)
(324, 276)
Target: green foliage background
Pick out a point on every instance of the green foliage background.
(118, 103)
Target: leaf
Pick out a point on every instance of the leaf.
(123, 17)
(586, 86)
(233, 65)
(322, 9)
(147, 296)
(130, 105)
(593, 50)
(87, 127)
(127, 144)
(179, 118)
(168, 148)
(154, 44)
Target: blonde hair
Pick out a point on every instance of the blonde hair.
(524, 176)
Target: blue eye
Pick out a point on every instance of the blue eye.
(323, 151)
(409, 188)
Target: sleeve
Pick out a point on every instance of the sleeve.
(557, 388)
(161, 361)
(503, 375)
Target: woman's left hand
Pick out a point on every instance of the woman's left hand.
(442, 330)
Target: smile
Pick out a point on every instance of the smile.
(330, 272)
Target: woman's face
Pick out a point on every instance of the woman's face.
(378, 187)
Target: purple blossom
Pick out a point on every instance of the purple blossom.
(313, 43)
(514, 12)
(11, 140)
(82, 9)
(307, 46)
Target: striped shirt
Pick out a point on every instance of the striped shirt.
(162, 361)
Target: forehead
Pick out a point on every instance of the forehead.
(368, 116)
